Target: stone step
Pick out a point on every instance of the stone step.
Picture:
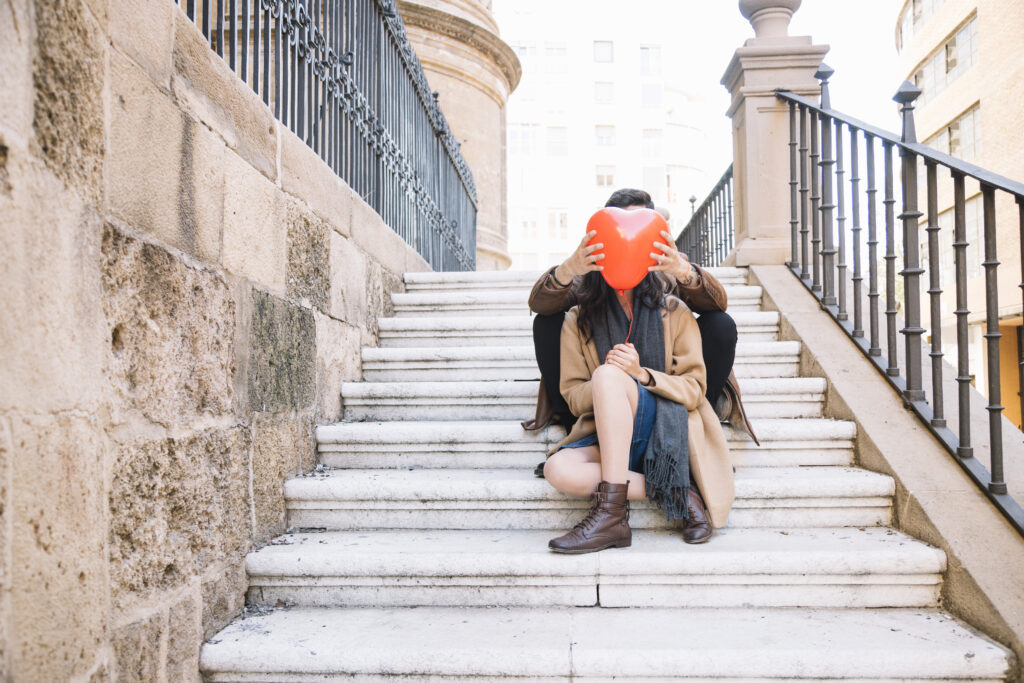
(518, 279)
(739, 567)
(477, 363)
(489, 302)
(518, 329)
(498, 400)
(766, 497)
(501, 444)
(587, 645)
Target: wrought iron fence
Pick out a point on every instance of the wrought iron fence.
(824, 237)
(342, 75)
(708, 238)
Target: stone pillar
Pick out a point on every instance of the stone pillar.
(474, 72)
(760, 126)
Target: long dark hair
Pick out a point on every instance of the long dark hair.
(594, 294)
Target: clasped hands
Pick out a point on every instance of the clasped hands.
(585, 259)
(625, 358)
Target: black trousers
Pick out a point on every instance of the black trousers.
(718, 339)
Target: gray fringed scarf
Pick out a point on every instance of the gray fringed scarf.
(667, 458)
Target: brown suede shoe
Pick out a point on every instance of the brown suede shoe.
(697, 528)
(605, 526)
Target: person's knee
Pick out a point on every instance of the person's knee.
(556, 471)
(718, 328)
(608, 377)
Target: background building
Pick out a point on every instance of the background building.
(967, 56)
(600, 107)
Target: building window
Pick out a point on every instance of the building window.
(556, 58)
(604, 92)
(650, 60)
(652, 143)
(650, 95)
(522, 139)
(961, 137)
(558, 142)
(528, 224)
(943, 66)
(525, 50)
(558, 223)
(654, 181)
(604, 135)
(605, 176)
(604, 51)
(914, 15)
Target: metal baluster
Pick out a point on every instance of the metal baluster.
(815, 203)
(935, 294)
(828, 251)
(245, 41)
(804, 230)
(963, 378)
(190, 10)
(279, 43)
(794, 218)
(992, 336)
(206, 21)
(220, 28)
(841, 223)
(729, 214)
(890, 263)
(1020, 328)
(912, 270)
(858, 275)
(233, 28)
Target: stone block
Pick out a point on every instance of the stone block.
(170, 332)
(16, 83)
(223, 591)
(207, 87)
(305, 175)
(308, 257)
(59, 612)
(184, 637)
(255, 241)
(143, 29)
(338, 359)
(282, 355)
(278, 445)
(378, 240)
(177, 507)
(137, 649)
(52, 340)
(69, 75)
(6, 453)
(164, 173)
(349, 284)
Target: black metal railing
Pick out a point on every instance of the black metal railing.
(709, 236)
(342, 76)
(824, 247)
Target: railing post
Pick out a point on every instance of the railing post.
(992, 337)
(828, 249)
(794, 219)
(912, 270)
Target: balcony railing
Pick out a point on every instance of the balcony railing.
(709, 236)
(826, 242)
(342, 76)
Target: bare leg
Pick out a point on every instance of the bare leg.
(615, 401)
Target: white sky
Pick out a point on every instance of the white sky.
(862, 53)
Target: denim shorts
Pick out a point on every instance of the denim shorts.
(643, 425)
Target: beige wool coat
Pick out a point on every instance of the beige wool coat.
(684, 381)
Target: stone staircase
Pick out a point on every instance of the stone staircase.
(421, 550)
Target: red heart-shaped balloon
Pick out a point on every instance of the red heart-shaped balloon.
(628, 238)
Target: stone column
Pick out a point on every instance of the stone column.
(760, 125)
(474, 72)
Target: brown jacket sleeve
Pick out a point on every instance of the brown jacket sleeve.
(547, 298)
(705, 295)
(574, 381)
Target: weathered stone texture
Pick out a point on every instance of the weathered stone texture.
(223, 593)
(171, 328)
(177, 507)
(68, 74)
(164, 173)
(278, 444)
(59, 605)
(143, 29)
(254, 243)
(282, 355)
(138, 649)
(16, 106)
(184, 636)
(349, 285)
(308, 257)
(305, 175)
(378, 240)
(6, 448)
(208, 88)
(338, 359)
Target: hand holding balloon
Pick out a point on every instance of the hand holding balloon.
(581, 261)
(671, 260)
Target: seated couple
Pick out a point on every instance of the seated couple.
(644, 414)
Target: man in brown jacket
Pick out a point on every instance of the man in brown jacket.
(555, 293)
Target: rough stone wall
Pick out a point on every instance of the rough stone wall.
(185, 286)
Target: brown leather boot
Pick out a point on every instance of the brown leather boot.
(605, 526)
(697, 528)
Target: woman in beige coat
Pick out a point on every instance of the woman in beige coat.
(652, 366)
